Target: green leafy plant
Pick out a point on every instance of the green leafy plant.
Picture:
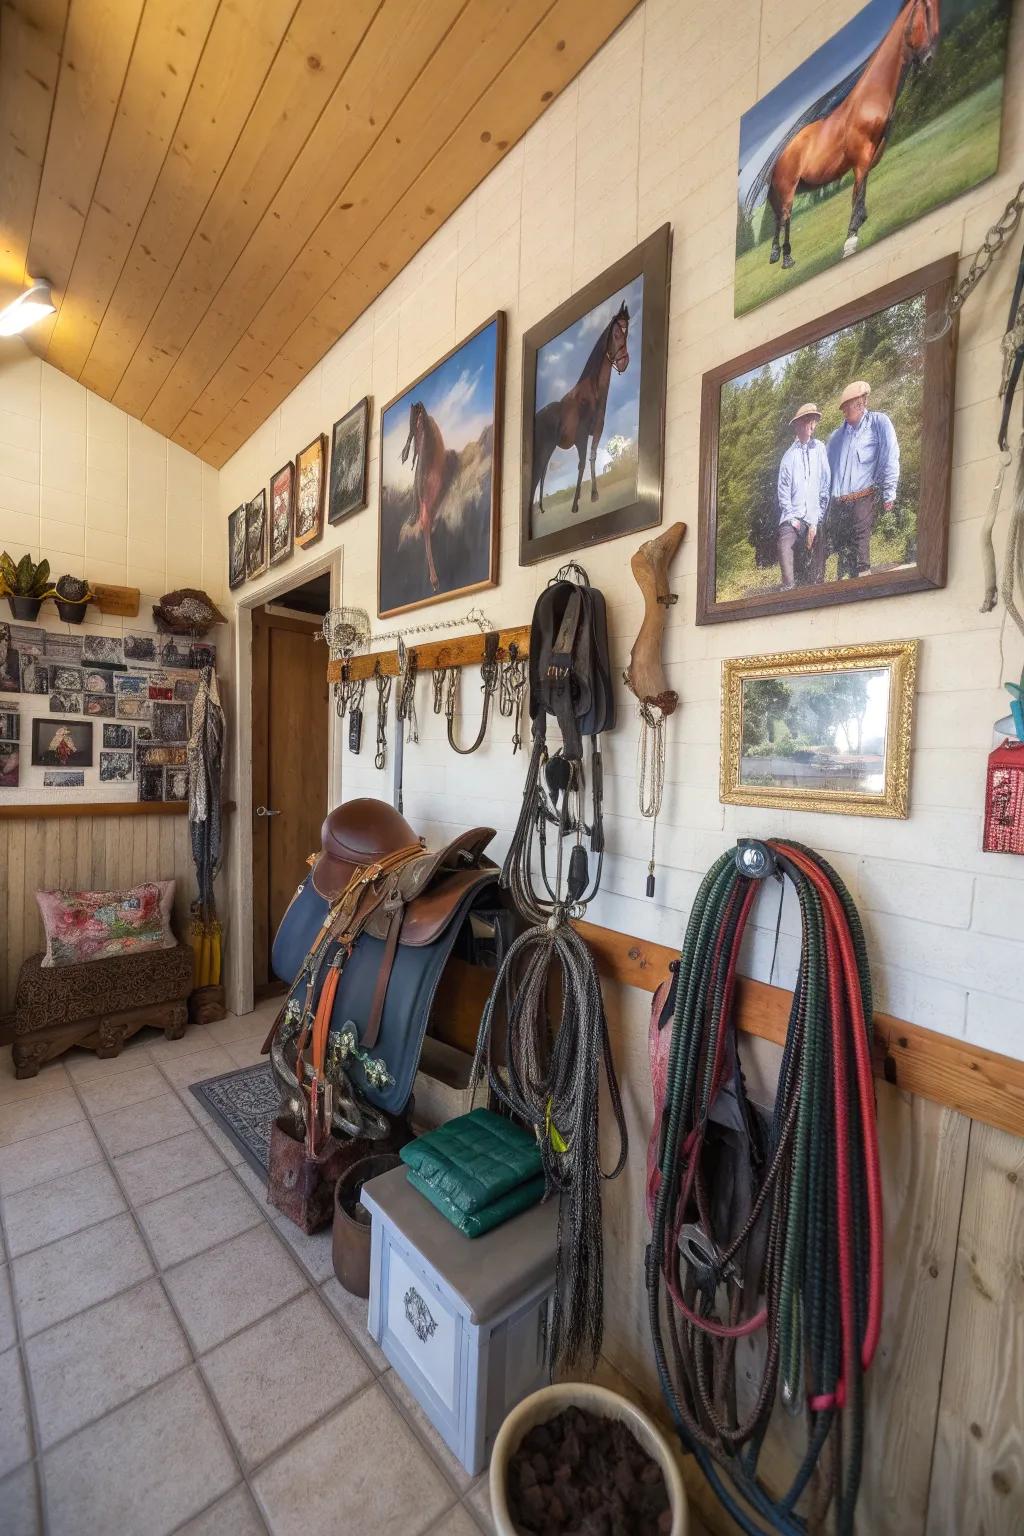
(26, 579)
(73, 589)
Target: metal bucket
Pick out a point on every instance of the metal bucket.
(350, 1248)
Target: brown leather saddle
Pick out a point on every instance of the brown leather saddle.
(383, 914)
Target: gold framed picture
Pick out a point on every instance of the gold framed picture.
(309, 491)
(823, 730)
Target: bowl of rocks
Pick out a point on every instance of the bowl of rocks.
(580, 1460)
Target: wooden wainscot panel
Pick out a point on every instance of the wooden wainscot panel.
(978, 1479)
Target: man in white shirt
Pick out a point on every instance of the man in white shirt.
(803, 490)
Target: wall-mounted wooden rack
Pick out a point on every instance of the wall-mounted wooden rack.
(979, 1083)
(463, 651)
(100, 808)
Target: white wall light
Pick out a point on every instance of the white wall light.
(26, 309)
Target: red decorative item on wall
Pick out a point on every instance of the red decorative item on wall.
(1004, 800)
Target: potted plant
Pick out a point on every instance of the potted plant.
(25, 585)
(72, 596)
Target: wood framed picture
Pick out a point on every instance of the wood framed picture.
(61, 743)
(348, 462)
(825, 458)
(822, 730)
(256, 536)
(594, 409)
(440, 477)
(309, 493)
(900, 109)
(236, 546)
(282, 513)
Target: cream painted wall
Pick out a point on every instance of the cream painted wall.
(98, 494)
(649, 133)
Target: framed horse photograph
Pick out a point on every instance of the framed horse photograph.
(825, 458)
(901, 108)
(349, 437)
(282, 524)
(440, 477)
(594, 408)
(256, 535)
(309, 494)
(236, 547)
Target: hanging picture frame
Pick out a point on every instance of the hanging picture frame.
(309, 491)
(236, 546)
(440, 477)
(256, 535)
(349, 435)
(821, 730)
(282, 513)
(876, 402)
(594, 408)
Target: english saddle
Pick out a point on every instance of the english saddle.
(362, 947)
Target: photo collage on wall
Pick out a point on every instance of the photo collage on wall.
(101, 702)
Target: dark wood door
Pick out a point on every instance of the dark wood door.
(290, 715)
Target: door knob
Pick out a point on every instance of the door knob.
(261, 810)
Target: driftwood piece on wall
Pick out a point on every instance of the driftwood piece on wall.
(978, 1478)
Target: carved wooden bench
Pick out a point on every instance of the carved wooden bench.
(99, 1004)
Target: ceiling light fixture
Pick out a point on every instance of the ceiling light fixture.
(27, 308)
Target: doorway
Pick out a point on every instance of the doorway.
(290, 756)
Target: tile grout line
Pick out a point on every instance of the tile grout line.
(26, 1385)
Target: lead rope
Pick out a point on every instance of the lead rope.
(651, 774)
(804, 1265)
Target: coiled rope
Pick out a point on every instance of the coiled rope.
(802, 1260)
(551, 1083)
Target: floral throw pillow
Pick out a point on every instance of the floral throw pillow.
(94, 925)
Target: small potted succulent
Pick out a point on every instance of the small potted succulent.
(72, 596)
(25, 585)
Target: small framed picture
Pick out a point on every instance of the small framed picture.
(162, 754)
(594, 408)
(69, 703)
(185, 689)
(825, 458)
(103, 651)
(130, 706)
(35, 674)
(117, 767)
(61, 744)
(136, 683)
(66, 679)
(10, 764)
(236, 552)
(170, 722)
(121, 737)
(309, 495)
(176, 784)
(103, 705)
(151, 783)
(822, 730)
(140, 650)
(58, 778)
(100, 680)
(10, 725)
(256, 536)
(174, 654)
(282, 510)
(348, 462)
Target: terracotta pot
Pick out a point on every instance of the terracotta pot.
(549, 1401)
(24, 607)
(350, 1245)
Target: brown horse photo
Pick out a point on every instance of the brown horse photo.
(438, 489)
(908, 94)
(578, 417)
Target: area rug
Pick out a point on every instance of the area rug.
(243, 1103)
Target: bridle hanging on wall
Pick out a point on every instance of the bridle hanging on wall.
(489, 673)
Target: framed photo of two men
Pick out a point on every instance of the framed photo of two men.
(825, 457)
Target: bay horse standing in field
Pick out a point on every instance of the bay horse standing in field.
(579, 415)
(847, 128)
(432, 471)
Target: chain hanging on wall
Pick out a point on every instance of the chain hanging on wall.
(343, 630)
(512, 683)
(650, 762)
(405, 706)
(383, 682)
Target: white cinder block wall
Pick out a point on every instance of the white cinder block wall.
(649, 133)
(97, 494)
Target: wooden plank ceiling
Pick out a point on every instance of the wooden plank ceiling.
(218, 188)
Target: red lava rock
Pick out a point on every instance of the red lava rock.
(583, 1475)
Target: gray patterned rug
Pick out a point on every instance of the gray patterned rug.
(244, 1104)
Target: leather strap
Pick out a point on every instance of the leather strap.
(380, 991)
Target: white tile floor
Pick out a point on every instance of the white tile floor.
(174, 1355)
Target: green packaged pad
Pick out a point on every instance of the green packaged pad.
(478, 1170)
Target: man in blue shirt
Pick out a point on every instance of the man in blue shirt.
(864, 457)
(803, 494)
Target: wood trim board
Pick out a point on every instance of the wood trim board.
(463, 652)
(66, 808)
(979, 1083)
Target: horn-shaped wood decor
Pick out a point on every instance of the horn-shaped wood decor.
(645, 676)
